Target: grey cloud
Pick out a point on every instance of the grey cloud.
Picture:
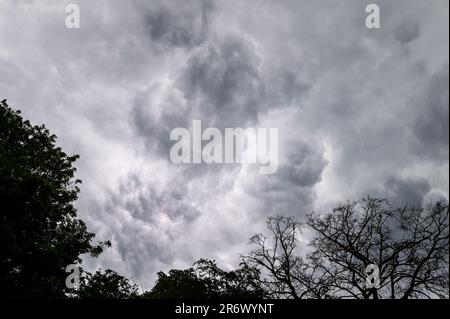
(304, 166)
(141, 241)
(142, 251)
(432, 124)
(182, 26)
(407, 31)
(225, 80)
(219, 85)
(406, 191)
(290, 191)
(147, 202)
(288, 87)
(155, 130)
(361, 113)
(277, 196)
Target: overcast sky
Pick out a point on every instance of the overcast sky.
(359, 111)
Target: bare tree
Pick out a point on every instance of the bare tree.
(285, 274)
(408, 245)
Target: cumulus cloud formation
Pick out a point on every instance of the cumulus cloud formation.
(431, 126)
(187, 26)
(359, 111)
(406, 191)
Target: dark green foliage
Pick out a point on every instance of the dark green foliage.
(106, 285)
(207, 281)
(179, 284)
(40, 233)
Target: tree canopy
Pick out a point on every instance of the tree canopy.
(106, 284)
(208, 281)
(39, 229)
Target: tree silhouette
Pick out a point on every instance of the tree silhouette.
(41, 234)
(208, 281)
(409, 246)
(39, 229)
(106, 285)
(183, 284)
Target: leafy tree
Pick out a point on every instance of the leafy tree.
(409, 245)
(106, 285)
(39, 229)
(207, 281)
(178, 284)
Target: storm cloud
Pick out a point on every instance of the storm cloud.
(359, 111)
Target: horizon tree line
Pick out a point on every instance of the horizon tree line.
(41, 234)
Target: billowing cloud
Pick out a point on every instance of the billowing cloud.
(358, 111)
(187, 26)
(431, 125)
(406, 191)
